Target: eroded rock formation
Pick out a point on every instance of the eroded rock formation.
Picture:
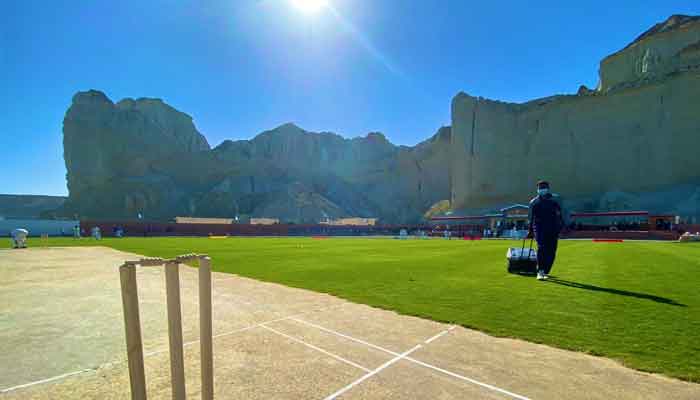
(28, 206)
(633, 142)
(142, 156)
(669, 47)
(639, 133)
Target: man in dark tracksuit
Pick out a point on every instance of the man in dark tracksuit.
(546, 221)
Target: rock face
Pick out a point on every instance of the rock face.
(142, 156)
(668, 47)
(634, 142)
(639, 133)
(28, 206)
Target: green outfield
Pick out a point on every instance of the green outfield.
(637, 302)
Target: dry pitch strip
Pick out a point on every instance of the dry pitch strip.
(134, 346)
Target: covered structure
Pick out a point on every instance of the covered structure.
(507, 222)
(264, 221)
(623, 221)
(194, 220)
(511, 217)
(350, 221)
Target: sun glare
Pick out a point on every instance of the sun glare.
(309, 6)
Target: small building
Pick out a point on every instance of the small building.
(208, 221)
(624, 220)
(515, 216)
(350, 221)
(264, 221)
(506, 222)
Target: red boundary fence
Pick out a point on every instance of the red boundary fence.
(621, 235)
(138, 228)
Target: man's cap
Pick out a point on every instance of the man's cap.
(542, 183)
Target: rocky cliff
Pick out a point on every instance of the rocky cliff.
(633, 142)
(143, 156)
(638, 134)
(669, 47)
(28, 206)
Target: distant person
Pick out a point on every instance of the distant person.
(76, 232)
(96, 233)
(19, 238)
(546, 221)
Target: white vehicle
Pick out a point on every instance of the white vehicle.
(19, 238)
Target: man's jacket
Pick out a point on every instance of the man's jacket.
(546, 217)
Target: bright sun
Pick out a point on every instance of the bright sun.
(309, 6)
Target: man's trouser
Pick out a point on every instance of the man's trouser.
(546, 252)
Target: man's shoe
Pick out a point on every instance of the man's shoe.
(540, 276)
(546, 276)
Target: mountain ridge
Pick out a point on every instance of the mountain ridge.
(144, 156)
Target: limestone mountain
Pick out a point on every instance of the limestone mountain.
(638, 134)
(28, 206)
(633, 142)
(143, 156)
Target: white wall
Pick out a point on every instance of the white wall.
(37, 226)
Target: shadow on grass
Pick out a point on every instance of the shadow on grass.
(619, 292)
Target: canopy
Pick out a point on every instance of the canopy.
(610, 214)
(467, 217)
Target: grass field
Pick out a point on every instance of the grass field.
(637, 302)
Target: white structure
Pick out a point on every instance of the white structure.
(689, 237)
(211, 221)
(350, 221)
(264, 221)
(19, 238)
(38, 227)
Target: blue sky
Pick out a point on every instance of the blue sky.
(240, 67)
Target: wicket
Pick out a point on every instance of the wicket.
(132, 325)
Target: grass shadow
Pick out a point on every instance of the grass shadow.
(644, 296)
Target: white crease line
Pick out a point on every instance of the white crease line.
(47, 380)
(464, 378)
(339, 358)
(154, 352)
(373, 372)
(430, 366)
(247, 328)
(346, 336)
(439, 335)
(190, 343)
